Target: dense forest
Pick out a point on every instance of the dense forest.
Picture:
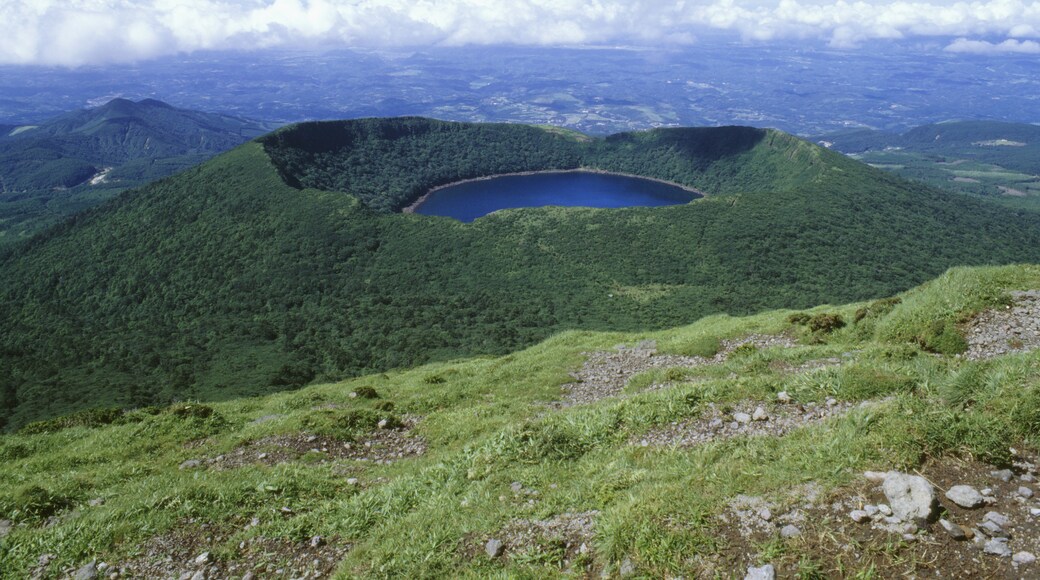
(246, 276)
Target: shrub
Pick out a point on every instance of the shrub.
(942, 337)
(703, 346)
(366, 392)
(799, 318)
(825, 322)
(877, 308)
(190, 411)
(85, 418)
(35, 501)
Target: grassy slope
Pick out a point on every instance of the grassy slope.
(223, 281)
(486, 428)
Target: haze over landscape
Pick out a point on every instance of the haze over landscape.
(462, 288)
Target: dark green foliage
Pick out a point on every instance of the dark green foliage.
(84, 418)
(191, 411)
(366, 392)
(385, 406)
(223, 281)
(943, 337)
(877, 309)
(825, 322)
(799, 318)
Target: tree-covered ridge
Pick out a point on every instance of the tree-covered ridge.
(388, 163)
(224, 281)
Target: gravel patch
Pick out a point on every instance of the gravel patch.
(717, 424)
(382, 446)
(568, 533)
(1011, 329)
(605, 374)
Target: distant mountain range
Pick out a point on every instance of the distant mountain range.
(51, 170)
(283, 261)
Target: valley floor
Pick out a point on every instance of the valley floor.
(873, 440)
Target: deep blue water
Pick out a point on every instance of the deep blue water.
(468, 201)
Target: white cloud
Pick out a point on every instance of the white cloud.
(75, 32)
(982, 47)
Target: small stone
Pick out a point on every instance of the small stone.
(831, 401)
(883, 509)
(760, 573)
(312, 438)
(1034, 512)
(783, 397)
(199, 575)
(765, 514)
(1004, 475)
(1027, 477)
(1023, 558)
(872, 510)
(992, 530)
(493, 548)
(248, 576)
(911, 496)
(262, 456)
(317, 542)
(352, 481)
(997, 547)
(875, 476)
(965, 496)
(5, 527)
(190, 464)
(760, 414)
(955, 531)
(859, 516)
(790, 531)
(1025, 492)
(202, 559)
(382, 423)
(987, 491)
(97, 501)
(909, 537)
(627, 569)
(996, 517)
(286, 510)
(353, 394)
(87, 572)
(742, 418)
(254, 522)
(516, 486)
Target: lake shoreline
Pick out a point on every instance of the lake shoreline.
(415, 205)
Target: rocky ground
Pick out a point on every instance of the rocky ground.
(605, 374)
(1015, 328)
(189, 553)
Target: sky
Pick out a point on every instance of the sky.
(72, 33)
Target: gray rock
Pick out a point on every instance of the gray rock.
(87, 572)
(628, 569)
(992, 530)
(1027, 477)
(965, 496)
(1025, 492)
(875, 476)
(760, 414)
(997, 547)
(1004, 475)
(859, 516)
(190, 464)
(790, 531)
(97, 501)
(765, 514)
(987, 491)
(199, 575)
(760, 573)
(955, 531)
(317, 542)
(783, 397)
(742, 418)
(996, 517)
(911, 496)
(883, 509)
(872, 510)
(5, 527)
(1023, 558)
(203, 559)
(1034, 512)
(493, 547)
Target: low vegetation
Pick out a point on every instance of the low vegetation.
(502, 462)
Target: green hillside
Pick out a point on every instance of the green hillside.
(52, 170)
(224, 281)
(418, 473)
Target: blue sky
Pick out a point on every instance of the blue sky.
(80, 32)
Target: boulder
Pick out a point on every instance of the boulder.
(911, 497)
(493, 547)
